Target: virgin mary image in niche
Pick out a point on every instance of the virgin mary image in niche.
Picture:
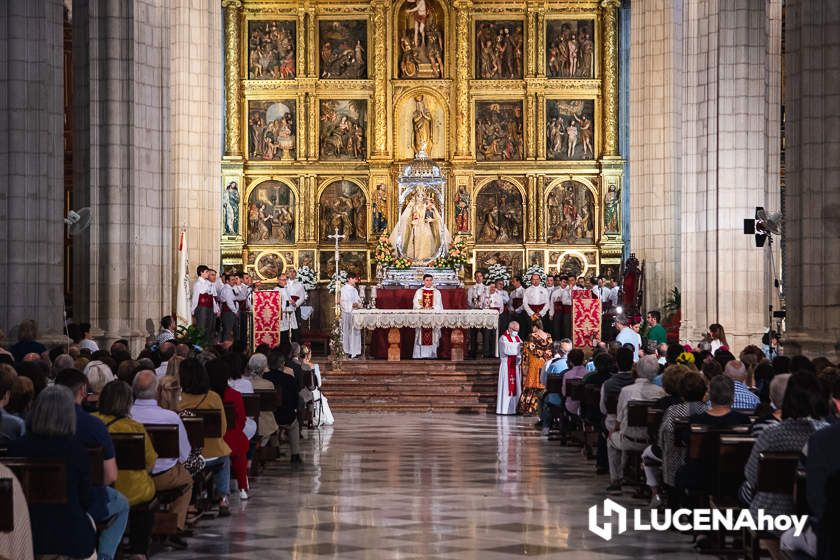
(420, 233)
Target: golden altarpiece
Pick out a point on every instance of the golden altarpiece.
(516, 101)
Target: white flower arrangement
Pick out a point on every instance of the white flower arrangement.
(342, 276)
(535, 269)
(307, 277)
(498, 272)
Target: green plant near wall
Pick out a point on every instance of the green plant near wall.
(673, 302)
(191, 336)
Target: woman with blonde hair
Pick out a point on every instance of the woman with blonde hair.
(173, 367)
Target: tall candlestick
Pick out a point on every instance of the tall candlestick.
(373, 292)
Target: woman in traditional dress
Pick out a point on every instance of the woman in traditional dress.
(537, 350)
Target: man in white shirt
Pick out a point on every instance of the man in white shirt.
(168, 473)
(246, 286)
(426, 340)
(167, 331)
(626, 335)
(515, 307)
(560, 310)
(297, 293)
(550, 286)
(288, 320)
(229, 309)
(498, 299)
(535, 303)
(204, 303)
(478, 297)
(351, 337)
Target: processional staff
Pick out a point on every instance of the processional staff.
(338, 349)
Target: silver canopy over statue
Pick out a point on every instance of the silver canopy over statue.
(421, 234)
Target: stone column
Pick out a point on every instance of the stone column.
(122, 165)
(812, 176)
(196, 108)
(656, 144)
(233, 84)
(462, 78)
(32, 165)
(730, 137)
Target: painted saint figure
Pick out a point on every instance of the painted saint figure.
(230, 207)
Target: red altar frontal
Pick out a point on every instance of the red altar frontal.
(402, 298)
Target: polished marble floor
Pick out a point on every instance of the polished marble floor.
(426, 486)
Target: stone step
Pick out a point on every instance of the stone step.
(415, 407)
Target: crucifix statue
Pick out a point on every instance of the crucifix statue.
(335, 343)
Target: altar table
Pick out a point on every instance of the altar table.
(398, 322)
(403, 298)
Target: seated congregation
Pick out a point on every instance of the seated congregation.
(683, 427)
(117, 457)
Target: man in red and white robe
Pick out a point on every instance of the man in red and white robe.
(510, 376)
(426, 340)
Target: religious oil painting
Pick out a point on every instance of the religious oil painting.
(498, 131)
(570, 129)
(271, 214)
(462, 210)
(498, 210)
(570, 209)
(268, 266)
(512, 260)
(343, 207)
(271, 50)
(342, 45)
(569, 264)
(350, 261)
(420, 31)
(230, 209)
(570, 48)
(306, 258)
(499, 50)
(343, 129)
(272, 127)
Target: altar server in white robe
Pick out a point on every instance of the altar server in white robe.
(351, 338)
(288, 321)
(510, 376)
(297, 293)
(426, 340)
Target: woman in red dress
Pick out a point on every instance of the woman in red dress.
(219, 373)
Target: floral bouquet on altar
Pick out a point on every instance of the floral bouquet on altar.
(341, 276)
(384, 254)
(497, 272)
(401, 263)
(307, 277)
(535, 269)
(455, 258)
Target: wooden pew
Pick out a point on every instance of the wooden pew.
(253, 406)
(44, 481)
(212, 419)
(165, 440)
(269, 399)
(194, 425)
(776, 474)
(637, 417)
(130, 450)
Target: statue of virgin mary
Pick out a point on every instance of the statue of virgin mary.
(420, 233)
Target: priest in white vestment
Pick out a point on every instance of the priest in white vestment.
(351, 338)
(426, 340)
(510, 376)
